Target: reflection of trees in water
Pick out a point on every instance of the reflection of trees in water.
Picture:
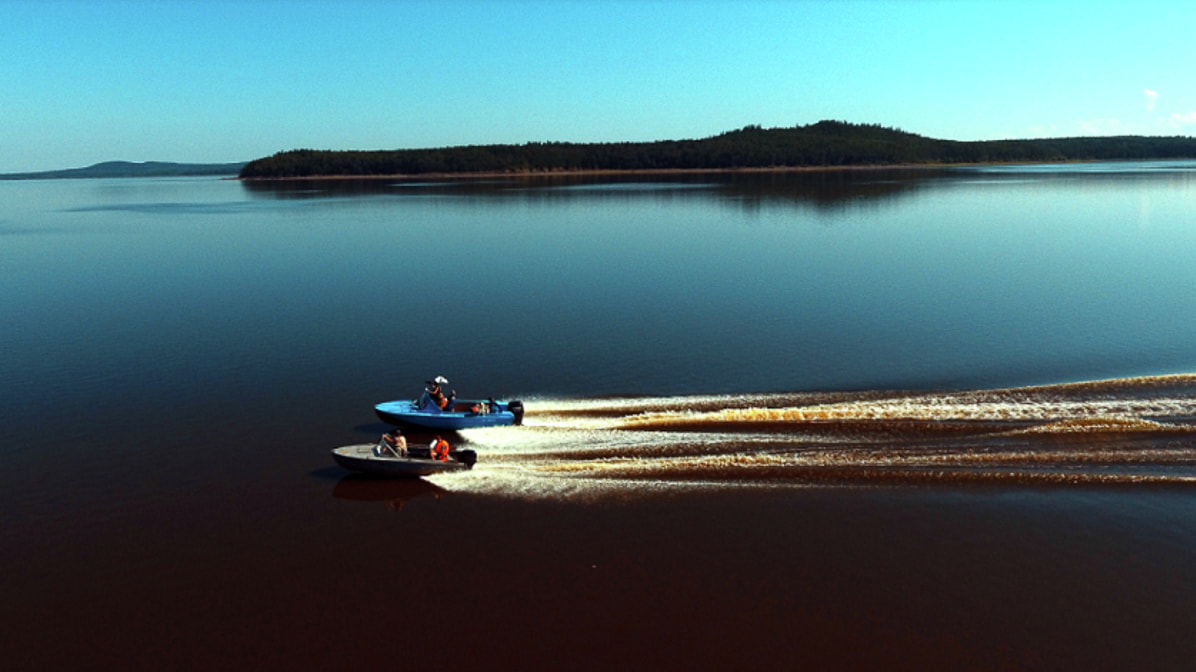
(820, 188)
(829, 189)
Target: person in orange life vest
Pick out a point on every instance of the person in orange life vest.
(436, 393)
(440, 449)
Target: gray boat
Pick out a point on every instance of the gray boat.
(364, 458)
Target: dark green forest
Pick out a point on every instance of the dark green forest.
(823, 144)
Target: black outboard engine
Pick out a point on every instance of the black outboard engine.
(516, 407)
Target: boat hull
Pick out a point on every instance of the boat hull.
(362, 458)
(431, 417)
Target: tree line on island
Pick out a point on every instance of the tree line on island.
(823, 144)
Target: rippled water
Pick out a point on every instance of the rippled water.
(1121, 431)
(897, 413)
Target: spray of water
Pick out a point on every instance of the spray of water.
(1139, 430)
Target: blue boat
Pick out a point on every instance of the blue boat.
(458, 414)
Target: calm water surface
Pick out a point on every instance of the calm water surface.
(768, 421)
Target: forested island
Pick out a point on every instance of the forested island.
(823, 144)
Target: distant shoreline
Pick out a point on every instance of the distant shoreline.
(128, 169)
(821, 147)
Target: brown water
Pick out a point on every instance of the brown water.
(794, 422)
(872, 578)
(1034, 528)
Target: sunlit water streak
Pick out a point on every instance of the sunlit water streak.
(1137, 430)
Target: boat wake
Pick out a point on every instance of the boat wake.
(1134, 430)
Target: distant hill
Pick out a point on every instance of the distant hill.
(131, 169)
(823, 144)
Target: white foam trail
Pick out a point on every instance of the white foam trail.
(929, 409)
(635, 447)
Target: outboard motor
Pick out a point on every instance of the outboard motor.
(516, 407)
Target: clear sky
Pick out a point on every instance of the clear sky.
(215, 81)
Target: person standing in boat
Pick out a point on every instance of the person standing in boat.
(393, 442)
(439, 449)
(436, 393)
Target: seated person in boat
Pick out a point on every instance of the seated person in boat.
(485, 407)
(439, 449)
(393, 442)
(435, 393)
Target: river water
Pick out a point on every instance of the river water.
(932, 419)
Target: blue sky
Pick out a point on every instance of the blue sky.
(215, 81)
